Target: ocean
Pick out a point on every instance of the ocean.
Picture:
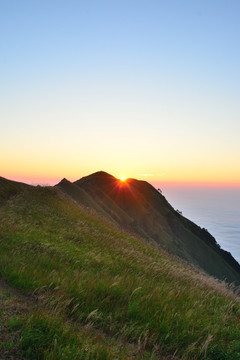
(216, 209)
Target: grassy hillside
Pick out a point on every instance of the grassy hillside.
(138, 207)
(103, 294)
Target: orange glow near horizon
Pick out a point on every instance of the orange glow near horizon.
(52, 177)
(41, 165)
(185, 184)
(45, 171)
(123, 178)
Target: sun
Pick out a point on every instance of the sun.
(123, 178)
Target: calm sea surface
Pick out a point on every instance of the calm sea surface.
(216, 209)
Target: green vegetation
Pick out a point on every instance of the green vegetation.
(30, 333)
(138, 207)
(100, 293)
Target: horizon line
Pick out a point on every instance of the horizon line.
(51, 181)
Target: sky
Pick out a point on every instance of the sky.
(138, 88)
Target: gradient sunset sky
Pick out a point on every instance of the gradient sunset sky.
(143, 89)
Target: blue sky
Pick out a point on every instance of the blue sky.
(130, 87)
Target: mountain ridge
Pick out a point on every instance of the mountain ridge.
(139, 208)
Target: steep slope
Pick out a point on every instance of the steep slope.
(139, 208)
(101, 203)
(81, 196)
(104, 294)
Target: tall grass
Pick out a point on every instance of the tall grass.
(83, 269)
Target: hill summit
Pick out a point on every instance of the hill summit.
(137, 207)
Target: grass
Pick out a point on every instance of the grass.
(107, 291)
(46, 337)
(30, 332)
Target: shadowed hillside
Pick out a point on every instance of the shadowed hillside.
(139, 208)
(9, 188)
